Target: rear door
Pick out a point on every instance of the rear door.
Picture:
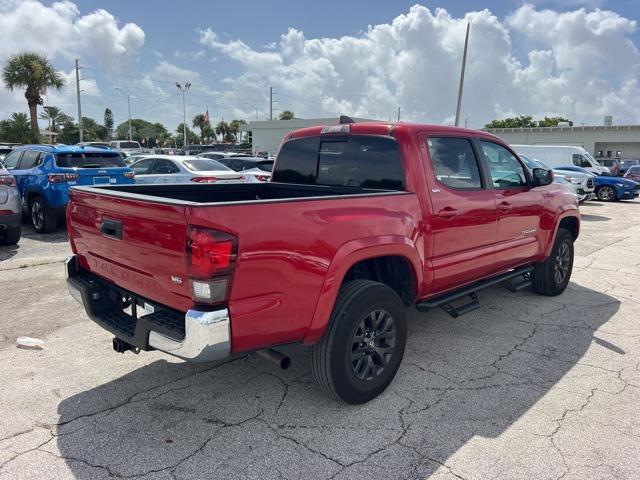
(27, 172)
(463, 218)
(141, 168)
(165, 171)
(519, 206)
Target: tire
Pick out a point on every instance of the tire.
(42, 222)
(606, 193)
(552, 276)
(11, 236)
(361, 306)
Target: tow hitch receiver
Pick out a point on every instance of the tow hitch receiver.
(121, 346)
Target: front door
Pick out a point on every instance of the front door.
(463, 218)
(519, 205)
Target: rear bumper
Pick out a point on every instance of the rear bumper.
(11, 220)
(197, 336)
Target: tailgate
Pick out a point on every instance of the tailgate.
(139, 245)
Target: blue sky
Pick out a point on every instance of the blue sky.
(232, 78)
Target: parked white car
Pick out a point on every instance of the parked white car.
(582, 184)
(556, 155)
(171, 169)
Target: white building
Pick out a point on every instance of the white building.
(611, 141)
(267, 135)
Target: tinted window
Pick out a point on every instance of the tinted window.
(581, 161)
(505, 169)
(214, 156)
(142, 167)
(354, 161)
(129, 145)
(11, 160)
(88, 160)
(454, 163)
(265, 166)
(163, 167)
(635, 169)
(204, 165)
(29, 160)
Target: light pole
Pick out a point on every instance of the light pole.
(129, 107)
(184, 90)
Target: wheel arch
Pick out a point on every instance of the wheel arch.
(370, 258)
(570, 220)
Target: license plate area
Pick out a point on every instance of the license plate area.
(101, 180)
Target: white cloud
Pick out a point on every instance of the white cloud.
(583, 65)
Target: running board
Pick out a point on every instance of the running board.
(445, 301)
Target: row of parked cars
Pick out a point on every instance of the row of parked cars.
(35, 179)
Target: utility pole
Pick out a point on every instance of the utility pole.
(270, 103)
(464, 62)
(78, 96)
(129, 107)
(184, 110)
(398, 113)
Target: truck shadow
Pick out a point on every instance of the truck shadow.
(475, 376)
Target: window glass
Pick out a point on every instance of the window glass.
(89, 160)
(454, 163)
(297, 161)
(265, 166)
(11, 160)
(142, 167)
(29, 160)
(129, 145)
(505, 169)
(204, 165)
(164, 167)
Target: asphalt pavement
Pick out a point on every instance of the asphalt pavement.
(525, 387)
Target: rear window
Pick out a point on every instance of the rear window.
(204, 165)
(88, 160)
(353, 161)
(265, 166)
(129, 145)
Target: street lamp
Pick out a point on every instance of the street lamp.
(184, 90)
(129, 107)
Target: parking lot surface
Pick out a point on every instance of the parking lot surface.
(525, 387)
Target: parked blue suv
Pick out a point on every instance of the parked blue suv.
(44, 174)
(609, 189)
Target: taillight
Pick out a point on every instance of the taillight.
(129, 174)
(204, 179)
(7, 180)
(62, 177)
(263, 178)
(212, 256)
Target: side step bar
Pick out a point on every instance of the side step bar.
(445, 301)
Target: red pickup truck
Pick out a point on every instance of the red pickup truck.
(360, 222)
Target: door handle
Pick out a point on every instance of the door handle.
(504, 206)
(447, 212)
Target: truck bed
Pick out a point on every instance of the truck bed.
(189, 194)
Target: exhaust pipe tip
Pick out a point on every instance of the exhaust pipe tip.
(283, 361)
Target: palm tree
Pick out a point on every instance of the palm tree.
(35, 74)
(16, 129)
(200, 121)
(222, 129)
(286, 115)
(55, 117)
(234, 127)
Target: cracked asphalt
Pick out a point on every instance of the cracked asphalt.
(525, 387)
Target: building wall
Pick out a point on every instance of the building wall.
(267, 135)
(625, 138)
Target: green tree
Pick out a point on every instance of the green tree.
(35, 74)
(147, 133)
(18, 130)
(234, 127)
(200, 121)
(224, 131)
(92, 131)
(55, 118)
(191, 136)
(108, 122)
(286, 115)
(553, 121)
(521, 121)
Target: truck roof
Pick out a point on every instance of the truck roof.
(385, 128)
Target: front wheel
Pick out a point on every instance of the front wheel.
(551, 277)
(361, 350)
(606, 193)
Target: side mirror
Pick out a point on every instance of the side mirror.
(542, 176)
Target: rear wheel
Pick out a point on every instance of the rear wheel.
(11, 236)
(42, 222)
(606, 193)
(551, 277)
(361, 351)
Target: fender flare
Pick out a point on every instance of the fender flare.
(565, 212)
(348, 255)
